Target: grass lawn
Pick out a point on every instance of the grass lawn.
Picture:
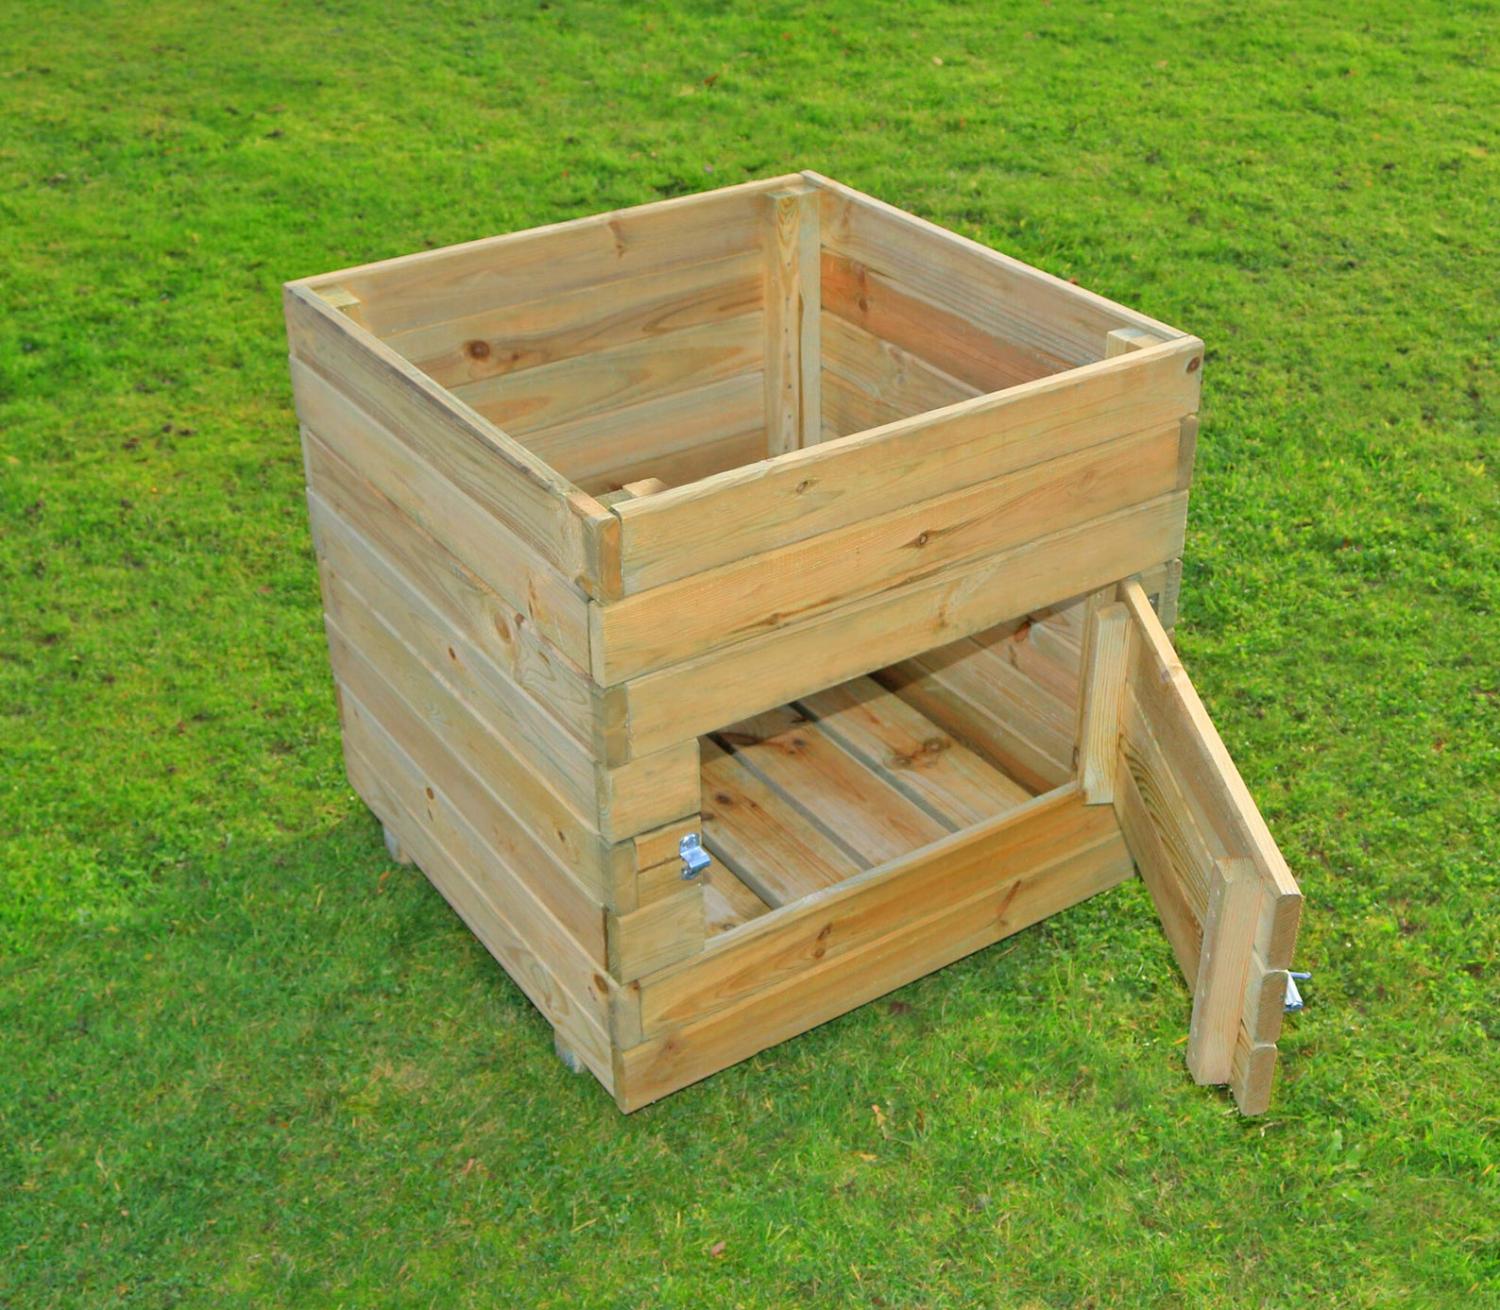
(246, 1062)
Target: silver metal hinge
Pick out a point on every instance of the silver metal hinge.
(694, 858)
(1294, 999)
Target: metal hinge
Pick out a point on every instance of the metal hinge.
(1294, 999)
(694, 858)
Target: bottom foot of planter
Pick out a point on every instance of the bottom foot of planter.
(394, 847)
(567, 1055)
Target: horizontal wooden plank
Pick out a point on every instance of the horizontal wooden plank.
(849, 408)
(492, 470)
(880, 306)
(357, 577)
(886, 373)
(557, 609)
(574, 389)
(769, 844)
(435, 285)
(855, 804)
(711, 691)
(414, 759)
(398, 687)
(571, 994)
(662, 932)
(986, 859)
(804, 493)
(912, 753)
(762, 593)
(467, 604)
(993, 706)
(727, 902)
(811, 988)
(1055, 320)
(492, 342)
(657, 430)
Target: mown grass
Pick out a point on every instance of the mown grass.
(246, 1062)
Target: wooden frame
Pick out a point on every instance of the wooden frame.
(781, 517)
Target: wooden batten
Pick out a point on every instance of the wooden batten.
(791, 969)
(715, 608)
(436, 286)
(712, 690)
(1103, 697)
(793, 300)
(838, 483)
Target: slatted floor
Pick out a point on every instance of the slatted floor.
(806, 795)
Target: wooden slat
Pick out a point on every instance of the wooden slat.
(558, 610)
(436, 285)
(491, 341)
(803, 986)
(986, 859)
(768, 844)
(653, 430)
(1053, 319)
(1043, 651)
(1103, 693)
(694, 615)
(703, 694)
(887, 374)
(528, 498)
(834, 484)
(512, 639)
(421, 759)
(793, 301)
(849, 408)
(389, 678)
(359, 582)
(988, 702)
(540, 957)
(1223, 967)
(574, 389)
(882, 307)
(727, 903)
(856, 805)
(912, 753)
(668, 929)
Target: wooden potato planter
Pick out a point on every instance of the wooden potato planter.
(777, 526)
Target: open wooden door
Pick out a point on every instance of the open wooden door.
(1227, 900)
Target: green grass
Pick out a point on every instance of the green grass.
(244, 1062)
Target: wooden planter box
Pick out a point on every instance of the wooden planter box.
(779, 516)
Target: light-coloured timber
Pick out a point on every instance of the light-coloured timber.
(513, 338)
(856, 478)
(762, 593)
(793, 299)
(781, 526)
(779, 666)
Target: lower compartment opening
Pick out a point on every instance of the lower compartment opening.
(854, 776)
